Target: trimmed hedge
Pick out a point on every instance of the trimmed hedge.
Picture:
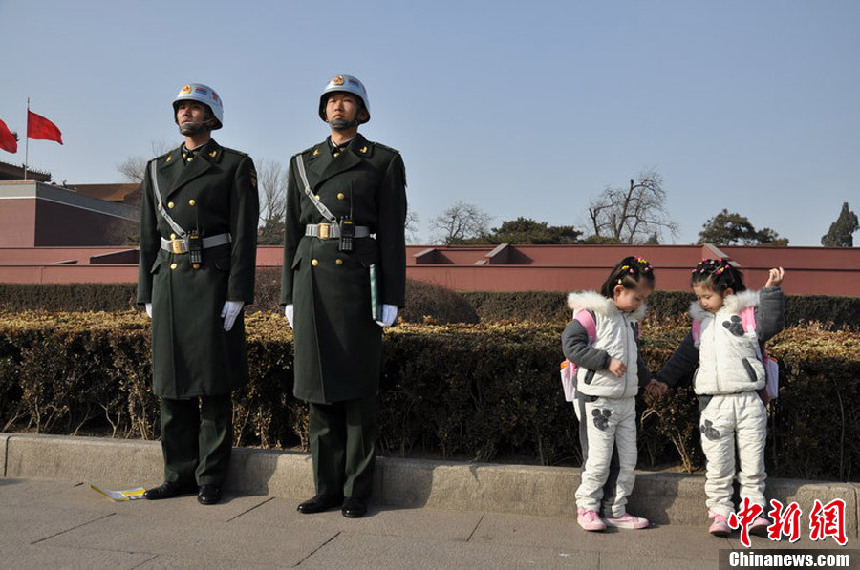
(551, 307)
(428, 303)
(67, 297)
(473, 391)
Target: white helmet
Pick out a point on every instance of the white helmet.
(346, 84)
(204, 94)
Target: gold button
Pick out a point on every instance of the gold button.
(173, 266)
(337, 154)
(172, 236)
(314, 262)
(213, 153)
(168, 159)
(196, 266)
(340, 196)
(339, 261)
(191, 202)
(170, 204)
(318, 197)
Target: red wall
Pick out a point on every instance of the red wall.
(810, 270)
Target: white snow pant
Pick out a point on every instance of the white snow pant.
(725, 417)
(610, 424)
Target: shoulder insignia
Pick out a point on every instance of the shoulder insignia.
(168, 156)
(312, 151)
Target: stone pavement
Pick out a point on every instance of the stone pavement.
(455, 517)
(64, 524)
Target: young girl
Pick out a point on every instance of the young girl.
(609, 374)
(728, 377)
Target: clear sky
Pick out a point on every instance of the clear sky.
(523, 108)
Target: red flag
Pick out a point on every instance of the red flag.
(38, 127)
(7, 139)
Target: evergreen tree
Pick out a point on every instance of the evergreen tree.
(526, 230)
(839, 234)
(733, 229)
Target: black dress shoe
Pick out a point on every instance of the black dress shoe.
(166, 490)
(319, 503)
(354, 508)
(209, 494)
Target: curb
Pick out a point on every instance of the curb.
(664, 498)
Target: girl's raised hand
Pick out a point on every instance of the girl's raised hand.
(775, 277)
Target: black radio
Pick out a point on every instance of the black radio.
(195, 249)
(347, 234)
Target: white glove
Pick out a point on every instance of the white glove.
(148, 307)
(230, 312)
(288, 312)
(389, 315)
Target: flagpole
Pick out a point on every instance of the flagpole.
(27, 141)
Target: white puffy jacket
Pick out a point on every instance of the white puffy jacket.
(616, 334)
(728, 358)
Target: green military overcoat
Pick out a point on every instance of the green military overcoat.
(337, 341)
(214, 193)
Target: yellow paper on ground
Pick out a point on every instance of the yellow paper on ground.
(127, 495)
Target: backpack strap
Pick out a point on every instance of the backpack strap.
(586, 319)
(747, 315)
(697, 331)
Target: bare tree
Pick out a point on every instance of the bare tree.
(632, 215)
(461, 223)
(134, 167)
(272, 185)
(411, 226)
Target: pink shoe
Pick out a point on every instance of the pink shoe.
(628, 521)
(719, 527)
(759, 527)
(589, 520)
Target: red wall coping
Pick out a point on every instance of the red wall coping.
(811, 270)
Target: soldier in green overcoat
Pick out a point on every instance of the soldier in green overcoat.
(344, 279)
(198, 240)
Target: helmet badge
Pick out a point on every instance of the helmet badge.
(338, 80)
(185, 90)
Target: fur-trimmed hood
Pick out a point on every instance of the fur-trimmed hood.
(594, 301)
(732, 303)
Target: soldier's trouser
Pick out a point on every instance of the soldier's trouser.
(196, 437)
(610, 426)
(723, 418)
(343, 447)
(610, 489)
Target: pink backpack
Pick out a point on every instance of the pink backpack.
(771, 366)
(568, 368)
